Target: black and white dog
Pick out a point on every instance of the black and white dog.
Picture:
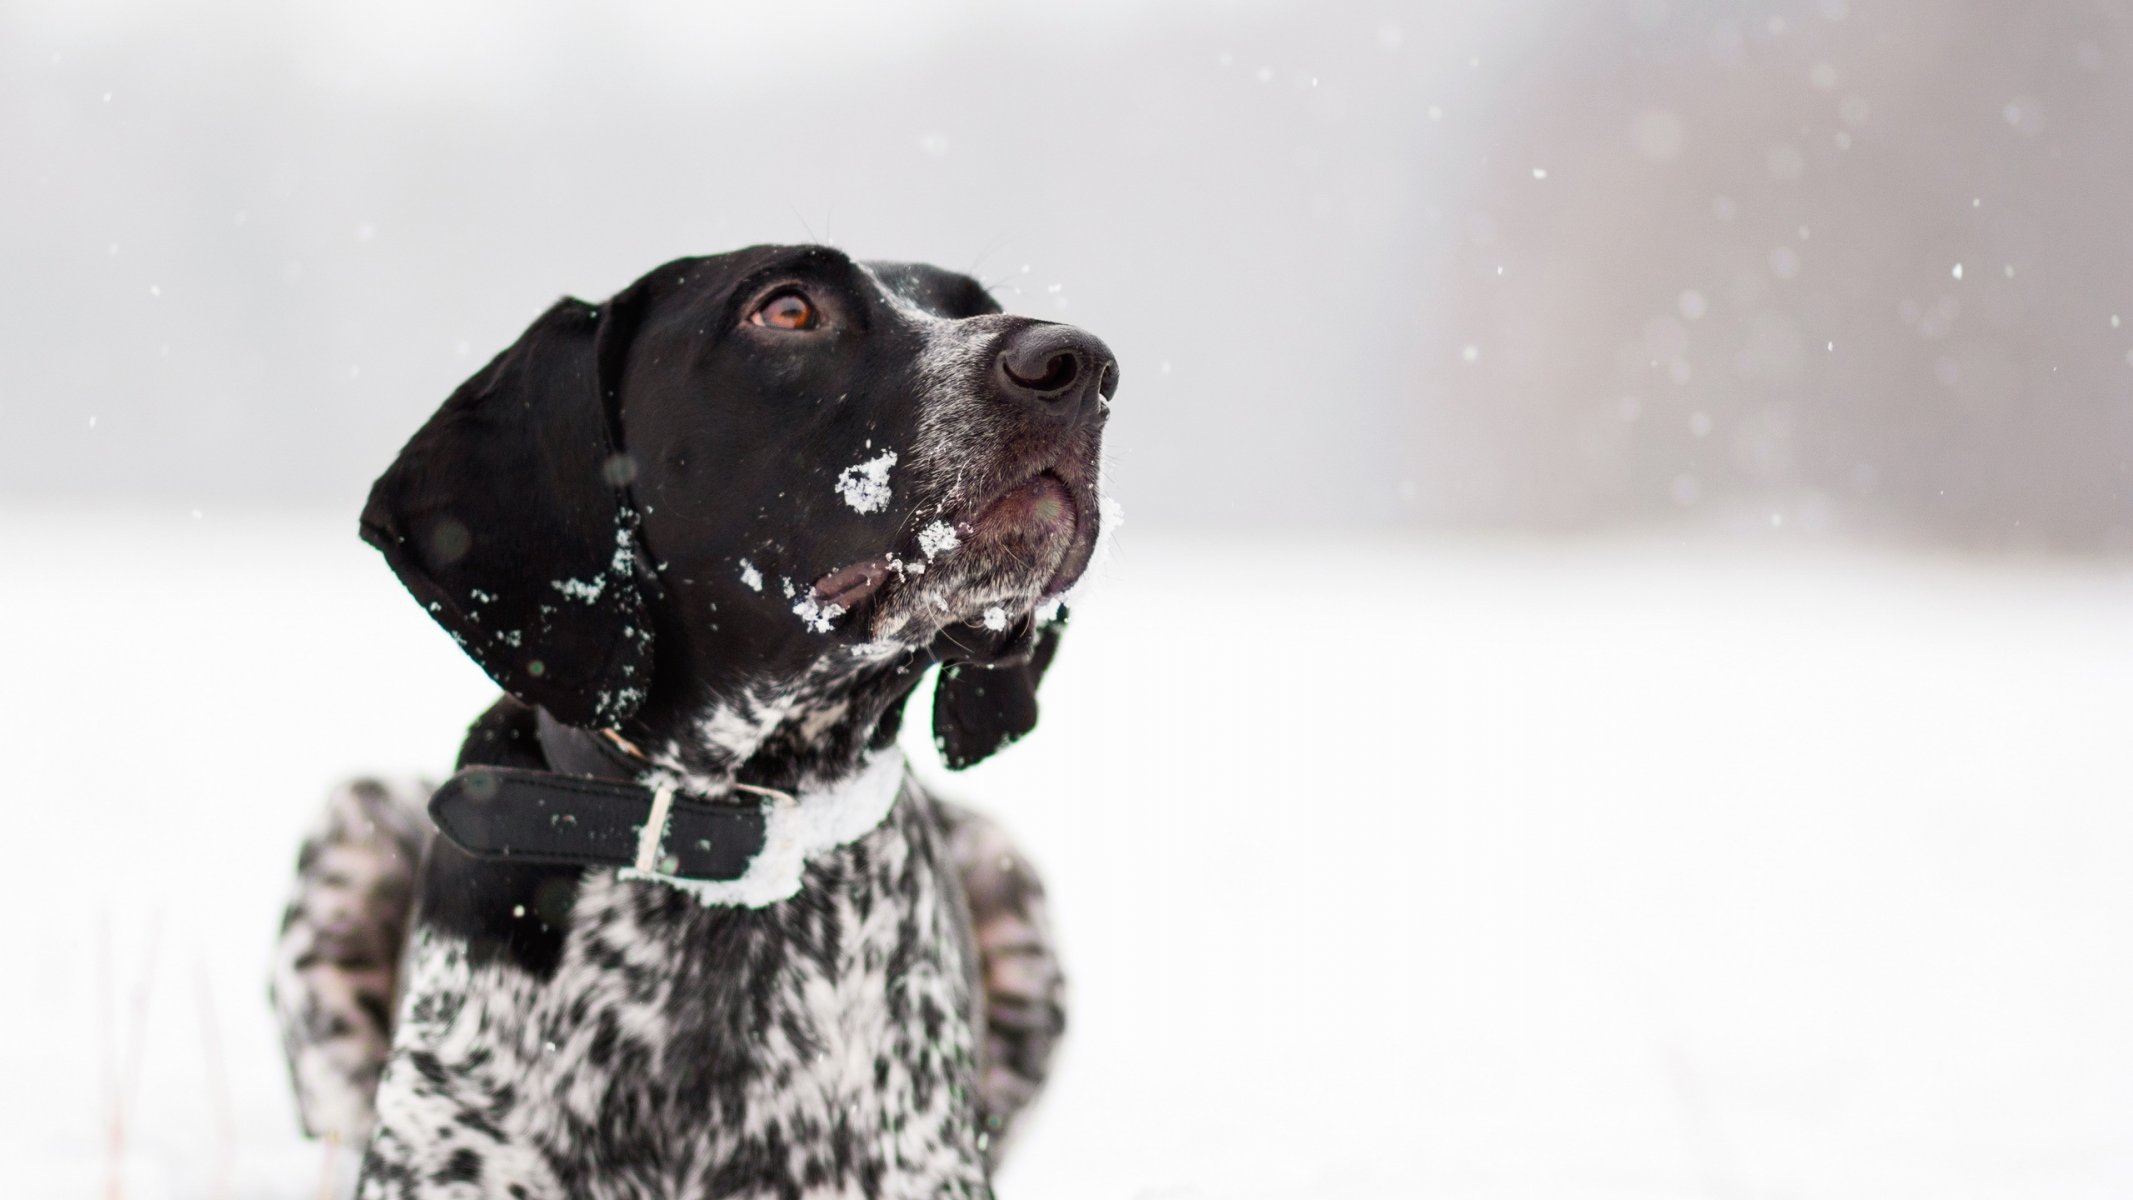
(708, 536)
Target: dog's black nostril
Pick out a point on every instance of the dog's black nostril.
(1059, 371)
(1060, 368)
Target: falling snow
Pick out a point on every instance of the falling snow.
(1590, 413)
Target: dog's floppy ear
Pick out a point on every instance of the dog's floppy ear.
(980, 707)
(507, 515)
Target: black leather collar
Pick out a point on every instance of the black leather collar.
(587, 811)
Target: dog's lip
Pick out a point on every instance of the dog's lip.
(1081, 551)
(1075, 515)
(1043, 498)
(1077, 519)
(850, 586)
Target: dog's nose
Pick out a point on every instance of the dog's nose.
(1057, 369)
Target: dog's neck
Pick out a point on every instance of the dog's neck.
(808, 728)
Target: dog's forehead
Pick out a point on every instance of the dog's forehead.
(931, 290)
(916, 289)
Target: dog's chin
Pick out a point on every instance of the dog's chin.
(1021, 550)
(1040, 509)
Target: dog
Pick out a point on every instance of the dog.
(708, 537)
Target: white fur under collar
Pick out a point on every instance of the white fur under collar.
(814, 822)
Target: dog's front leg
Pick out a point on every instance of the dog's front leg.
(337, 960)
(453, 1102)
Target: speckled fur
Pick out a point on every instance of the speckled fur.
(876, 1036)
(684, 1051)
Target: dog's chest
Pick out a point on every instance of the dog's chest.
(823, 1045)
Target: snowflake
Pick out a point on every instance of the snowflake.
(938, 539)
(866, 487)
(816, 615)
(578, 589)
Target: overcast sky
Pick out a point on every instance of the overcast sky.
(1468, 265)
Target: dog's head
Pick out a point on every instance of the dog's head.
(754, 474)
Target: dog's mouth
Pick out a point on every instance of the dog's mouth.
(851, 586)
(1039, 513)
(1035, 537)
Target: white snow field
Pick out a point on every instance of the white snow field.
(1654, 868)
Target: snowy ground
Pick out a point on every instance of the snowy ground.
(1384, 869)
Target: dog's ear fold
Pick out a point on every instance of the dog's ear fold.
(980, 707)
(507, 516)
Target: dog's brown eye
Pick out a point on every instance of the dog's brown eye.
(786, 310)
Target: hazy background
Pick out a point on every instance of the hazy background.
(1549, 265)
(1614, 682)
